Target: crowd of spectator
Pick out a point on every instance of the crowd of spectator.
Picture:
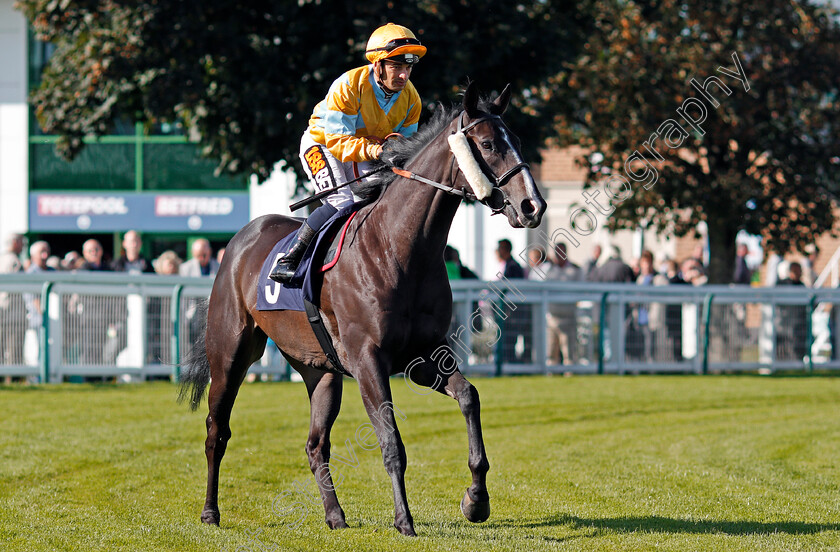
(645, 323)
(95, 332)
(609, 266)
(601, 266)
(653, 332)
(93, 259)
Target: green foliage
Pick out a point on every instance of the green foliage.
(605, 74)
(244, 77)
(767, 162)
(586, 463)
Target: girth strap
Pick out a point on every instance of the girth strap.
(323, 336)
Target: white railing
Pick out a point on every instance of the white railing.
(60, 326)
(831, 270)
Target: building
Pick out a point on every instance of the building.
(562, 182)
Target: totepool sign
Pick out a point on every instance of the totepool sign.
(92, 212)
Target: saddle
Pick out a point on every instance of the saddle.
(323, 254)
(303, 292)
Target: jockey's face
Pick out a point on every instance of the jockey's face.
(394, 75)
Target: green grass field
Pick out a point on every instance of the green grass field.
(586, 463)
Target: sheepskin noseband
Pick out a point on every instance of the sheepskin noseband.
(477, 180)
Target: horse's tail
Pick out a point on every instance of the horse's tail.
(196, 376)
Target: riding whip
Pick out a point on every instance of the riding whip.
(325, 193)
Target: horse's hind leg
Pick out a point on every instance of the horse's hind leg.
(325, 401)
(447, 379)
(230, 353)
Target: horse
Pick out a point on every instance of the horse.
(386, 303)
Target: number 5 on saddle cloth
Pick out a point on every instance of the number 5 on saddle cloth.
(303, 292)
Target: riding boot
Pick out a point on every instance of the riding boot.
(287, 265)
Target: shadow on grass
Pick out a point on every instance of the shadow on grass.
(658, 524)
(98, 386)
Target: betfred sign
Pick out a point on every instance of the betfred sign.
(186, 206)
(149, 212)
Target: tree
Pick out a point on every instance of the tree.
(756, 152)
(244, 77)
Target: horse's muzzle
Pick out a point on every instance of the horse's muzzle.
(531, 212)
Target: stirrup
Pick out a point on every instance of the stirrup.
(284, 270)
(286, 267)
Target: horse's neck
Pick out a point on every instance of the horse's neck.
(418, 216)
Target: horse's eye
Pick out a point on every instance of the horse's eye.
(487, 144)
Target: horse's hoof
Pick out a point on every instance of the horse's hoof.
(407, 530)
(210, 517)
(475, 511)
(338, 524)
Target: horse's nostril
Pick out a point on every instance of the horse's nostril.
(496, 201)
(528, 207)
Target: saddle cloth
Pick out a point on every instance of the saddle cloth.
(323, 254)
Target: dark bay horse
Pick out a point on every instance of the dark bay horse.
(386, 303)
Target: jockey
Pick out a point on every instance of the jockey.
(347, 128)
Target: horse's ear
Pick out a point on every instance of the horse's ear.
(500, 104)
(471, 100)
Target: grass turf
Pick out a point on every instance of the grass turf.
(585, 463)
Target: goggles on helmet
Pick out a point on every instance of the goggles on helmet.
(408, 59)
(391, 41)
(396, 43)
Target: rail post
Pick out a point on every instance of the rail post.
(500, 344)
(44, 334)
(175, 344)
(706, 320)
(809, 332)
(602, 334)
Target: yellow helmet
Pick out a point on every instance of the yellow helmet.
(391, 40)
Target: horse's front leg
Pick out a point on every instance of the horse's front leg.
(376, 395)
(444, 377)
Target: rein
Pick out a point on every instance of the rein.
(451, 190)
(498, 181)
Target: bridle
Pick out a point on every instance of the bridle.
(497, 181)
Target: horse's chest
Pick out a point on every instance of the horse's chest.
(423, 319)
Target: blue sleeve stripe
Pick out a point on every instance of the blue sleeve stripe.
(409, 130)
(336, 122)
(400, 124)
(343, 80)
(318, 114)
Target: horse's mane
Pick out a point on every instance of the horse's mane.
(401, 151)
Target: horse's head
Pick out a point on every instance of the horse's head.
(489, 159)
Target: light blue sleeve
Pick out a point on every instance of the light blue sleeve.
(409, 130)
